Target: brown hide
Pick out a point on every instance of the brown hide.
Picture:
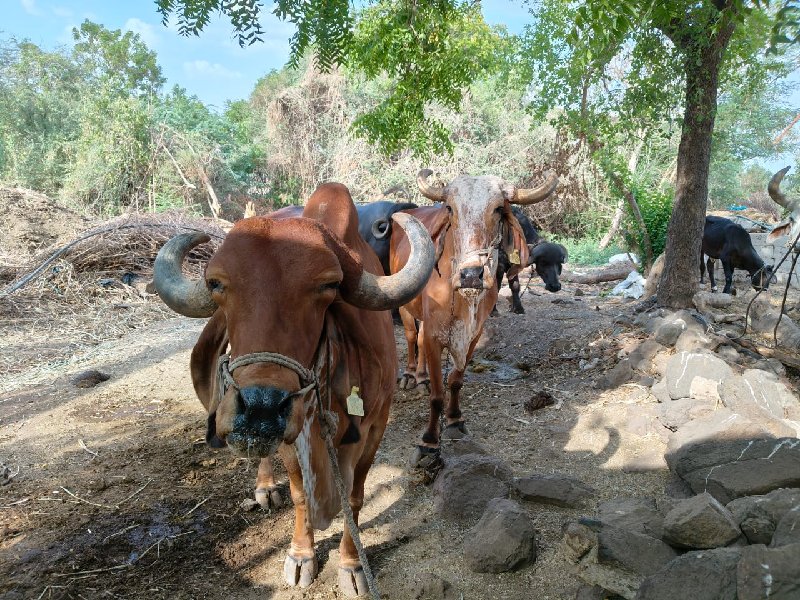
(275, 262)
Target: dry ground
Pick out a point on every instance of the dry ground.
(118, 497)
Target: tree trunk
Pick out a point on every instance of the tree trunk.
(702, 59)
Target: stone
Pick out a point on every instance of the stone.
(684, 367)
(467, 483)
(586, 592)
(652, 324)
(660, 391)
(763, 317)
(760, 395)
(772, 573)
(641, 357)
(730, 469)
(462, 446)
(579, 292)
(676, 488)
(692, 341)
(503, 540)
(668, 333)
(762, 513)
(89, 379)
(633, 551)
(699, 575)
(729, 354)
(634, 514)
(773, 365)
(621, 373)
(580, 547)
(660, 361)
(429, 586)
(673, 414)
(700, 522)
(718, 426)
(248, 504)
(555, 489)
(787, 531)
(703, 301)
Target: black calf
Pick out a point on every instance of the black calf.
(729, 242)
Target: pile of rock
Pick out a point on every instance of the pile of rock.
(739, 537)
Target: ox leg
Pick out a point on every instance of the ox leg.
(728, 268)
(352, 580)
(267, 494)
(516, 303)
(456, 428)
(408, 380)
(433, 352)
(702, 269)
(499, 278)
(300, 566)
(421, 374)
(710, 264)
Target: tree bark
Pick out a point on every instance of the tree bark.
(702, 58)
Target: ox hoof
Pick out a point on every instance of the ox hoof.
(299, 571)
(518, 310)
(714, 288)
(353, 582)
(269, 498)
(424, 457)
(455, 431)
(407, 382)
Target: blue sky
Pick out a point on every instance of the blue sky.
(211, 66)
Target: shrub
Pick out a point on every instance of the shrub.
(656, 208)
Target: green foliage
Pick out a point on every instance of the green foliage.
(656, 208)
(586, 251)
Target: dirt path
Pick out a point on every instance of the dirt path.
(117, 496)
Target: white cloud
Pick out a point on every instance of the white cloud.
(146, 31)
(205, 68)
(31, 8)
(62, 12)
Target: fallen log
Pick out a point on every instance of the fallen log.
(613, 272)
(787, 359)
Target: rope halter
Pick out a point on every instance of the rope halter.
(226, 367)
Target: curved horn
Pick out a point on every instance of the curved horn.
(187, 297)
(774, 188)
(537, 194)
(379, 233)
(427, 190)
(384, 292)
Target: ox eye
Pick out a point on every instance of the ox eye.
(333, 285)
(449, 210)
(215, 285)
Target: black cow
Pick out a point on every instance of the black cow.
(546, 256)
(729, 242)
(375, 226)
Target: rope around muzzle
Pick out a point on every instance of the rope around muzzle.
(310, 380)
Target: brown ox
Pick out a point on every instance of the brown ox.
(473, 222)
(299, 305)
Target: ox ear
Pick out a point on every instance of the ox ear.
(513, 241)
(779, 230)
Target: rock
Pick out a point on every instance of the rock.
(652, 325)
(787, 531)
(659, 364)
(461, 446)
(621, 373)
(556, 489)
(699, 575)
(762, 319)
(684, 368)
(673, 414)
(579, 292)
(503, 540)
(772, 573)
(429, 586)
(585, 592)
(634, 514)
(703, 301)
(677, 488)
(761, 396)
(660, 391)
(668, 333)
(467, 483)
(635, 552)
(692, 341)
(88, 379)
(641, 357)
(248, 504)
(758, 510)
(731, 469)
(720, 425)
(773, 365)
(729, 354)
(700, 522)
(561, 346)
(585, 365)
(580, 547)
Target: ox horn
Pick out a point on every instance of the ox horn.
(774, 189)
(537, 194)
(385, 292)
(434, 193)
(187, 297)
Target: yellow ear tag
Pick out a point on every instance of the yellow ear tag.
(355, 405)
(514, 257)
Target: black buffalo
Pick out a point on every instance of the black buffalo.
(546, 257)
(375, 226)
(729, 242)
